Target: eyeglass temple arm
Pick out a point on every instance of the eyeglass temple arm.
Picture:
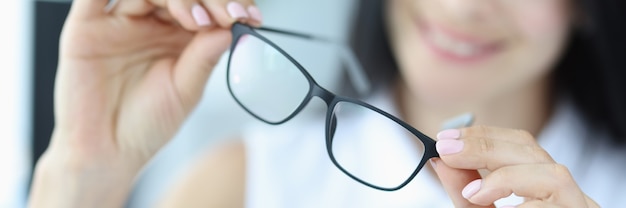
(355, 69)
(460, 121)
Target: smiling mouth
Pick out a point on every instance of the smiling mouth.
(456, 47)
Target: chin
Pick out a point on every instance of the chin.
(440, 94)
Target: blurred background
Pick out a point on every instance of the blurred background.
(29, 50)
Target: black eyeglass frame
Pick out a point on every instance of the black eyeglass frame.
(331, 100)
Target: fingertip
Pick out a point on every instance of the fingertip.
(479, 192)
(200, 16)
(449, 134)
(237, 11)
(186, 15)
(471, 189)
(233, 11)
(255, 14)
(454, 181)
(449, 147)
(220, 14)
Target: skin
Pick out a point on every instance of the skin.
(128, 78)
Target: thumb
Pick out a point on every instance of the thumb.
(454, 180)
(195, 64)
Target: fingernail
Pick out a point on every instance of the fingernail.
(508, 206)
(200, 15)
(236, 10)
(471, 188)
(255, 13)
(449, 134)
(448, 147)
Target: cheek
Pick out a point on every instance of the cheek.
(543, 22)
(542, 29)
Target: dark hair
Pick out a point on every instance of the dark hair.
(591, 70)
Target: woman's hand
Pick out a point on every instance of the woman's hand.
(128, 77)
(517, 164)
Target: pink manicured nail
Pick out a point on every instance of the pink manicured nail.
(448, 147)
(449, 134)
(236, 10)
(471, 188)
(255, 13)
(200, 15)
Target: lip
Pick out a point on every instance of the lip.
(482, 49)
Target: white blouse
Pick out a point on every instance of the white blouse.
(288, 165)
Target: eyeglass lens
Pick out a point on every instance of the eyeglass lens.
(264, 81)
(386, 155)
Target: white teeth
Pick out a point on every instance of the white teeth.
(464, 49)
(451, 45)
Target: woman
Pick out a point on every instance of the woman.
(128, 77)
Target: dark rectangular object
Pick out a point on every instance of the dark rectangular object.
(49, 19)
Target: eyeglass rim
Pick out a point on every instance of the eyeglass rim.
(240, 29)
(429, 143)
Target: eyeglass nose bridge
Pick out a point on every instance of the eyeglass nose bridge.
(324, 94)
(329, 98)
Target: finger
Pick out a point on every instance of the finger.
(130, 7)
(190, 14)
(255, 15)
(487, 153)
(547, 182)
(505, 134)
(199, 14)
(196, 63)
(537, 204)
(88, 8)
(223, 13)
(228, 12)
(453, 181)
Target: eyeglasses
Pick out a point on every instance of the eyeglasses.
(273, 87)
